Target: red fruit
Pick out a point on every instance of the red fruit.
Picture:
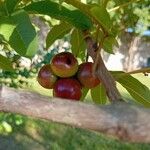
(85, 76)
(64, 64)
(67, 88)
(46, 78)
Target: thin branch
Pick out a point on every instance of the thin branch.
(98, 48)
(98, 54)
(121, 120)
(102, 72)
(143, 70)
(123, 5)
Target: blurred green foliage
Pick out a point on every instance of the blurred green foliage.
(19, 77)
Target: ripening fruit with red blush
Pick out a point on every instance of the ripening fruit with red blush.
(64, 64)
(85, 76)
(46, 77)
(67, 88)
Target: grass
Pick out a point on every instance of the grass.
(31, 134)
(41, 135)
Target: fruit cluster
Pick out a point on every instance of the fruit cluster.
(66, 77)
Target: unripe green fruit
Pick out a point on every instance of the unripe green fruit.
(46, 77)
(64, 64)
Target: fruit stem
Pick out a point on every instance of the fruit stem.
(98, 50)
(101, 71)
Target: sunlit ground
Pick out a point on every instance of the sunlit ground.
(22, 133)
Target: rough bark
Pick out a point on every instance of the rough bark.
(121, 120)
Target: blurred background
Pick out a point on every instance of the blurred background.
(133, 52)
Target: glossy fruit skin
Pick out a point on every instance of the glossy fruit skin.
(67, 88)
(46, 77)
(85, 76)
(64, 64)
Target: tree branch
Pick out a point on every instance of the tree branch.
(124, 121)
(102, 72)
(123, 5)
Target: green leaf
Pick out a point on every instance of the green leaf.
(57, 32)
(78, 44)
(120, 2)
(5, 64)
(137, 90)
(98, 94)
(109, 43)
(6, 27)
(75, 17)
(102, 17)
(11, 4)
(99, 35)
(80, 5)
(2, 9)
(24, 38)
(84, 93)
